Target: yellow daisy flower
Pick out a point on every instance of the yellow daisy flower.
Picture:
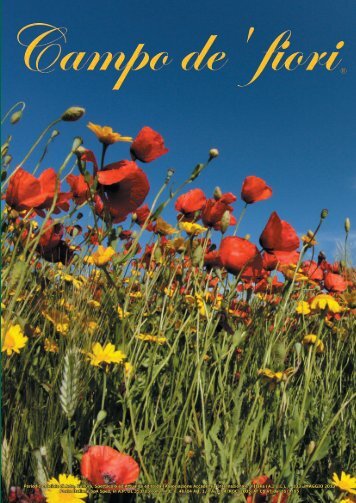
(122, 314)
(152, 338)
(61, 493)
(101, 256)
(303, 307)
(325, 301)
(107, 354)
(192, 228)
(106, 135)
(312, 339)
(345, 482)
(50, 346)
(13, 339)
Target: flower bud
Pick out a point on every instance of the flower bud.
(196, 172)
(347, 225)
(134, 217)
(77, 142)
(170, 173)
(15, 117)
(55, 133)
(101, 416)
(73, 114)
(311, 447)
(247, 237)
(7, 160)
(324, 213)
(217, 193)
(298, 348)
(225, 222)
(188, 439)
(213, 152)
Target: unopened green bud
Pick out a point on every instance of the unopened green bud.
(298, 348)
(157, 254)
(73, 114)
(213, 152)
(347, 225)
(16, 116)
(170, 173)
(7, 160)
(311, 447)
(225, 222)
(324, 213)
(55, 133)
(197, 255)
(196, 172)
(77, 142)
(217, 193)
(101, 416)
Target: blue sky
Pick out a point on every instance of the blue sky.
(294, 129)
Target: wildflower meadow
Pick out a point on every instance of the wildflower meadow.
(147, 360)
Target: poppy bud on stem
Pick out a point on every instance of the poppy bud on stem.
(347, 225)
(73, 114)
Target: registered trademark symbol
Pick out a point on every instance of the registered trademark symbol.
(343, 70)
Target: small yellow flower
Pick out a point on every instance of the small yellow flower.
(135, 295)
(163, 227)
(122, 314)
(325, 301)
(93, 303)
(312, 339)
(13, 340)
(347, 500)
(303, 307)
(106, 135)
(107, 354)
(77, 283)
(56, 493)
(152, 338)
(192, 229)
(345, 482)
(201, 305)
(91, 326)
(169, 292)
(276, 377)
(50, 346)
(101, 256)
(128, 369)
(309, 239)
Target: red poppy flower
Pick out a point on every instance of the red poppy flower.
(212, 259)
(105, 465)
(148, 145)
(125, 187)
(51, 237)
(214, 210)
(272, 285)
(25, 191)
(237, 254)
(312, 270)
(334, 282)
(255, 189)
(80, 188)
(191, 201)
(141, 215)
(277, 258)
(278, 235)
(62, 252)
(88, 155)
(262, 497)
